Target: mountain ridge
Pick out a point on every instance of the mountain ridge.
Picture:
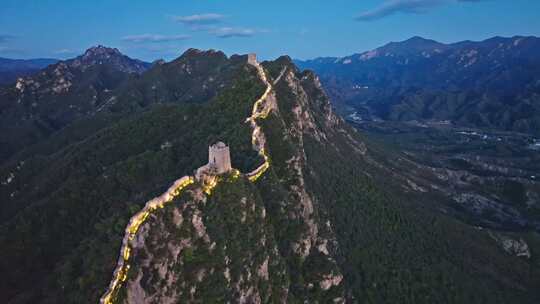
(40, 104)
(321, 225)
(104, 80)
(424, 41)
(100, 54)
(492, 83)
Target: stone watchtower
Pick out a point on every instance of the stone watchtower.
(252, 59)
(219, 161)
(219, 157)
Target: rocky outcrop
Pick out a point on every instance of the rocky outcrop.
(99, 55)
(517, 247)
(201, 249)
(312, 239)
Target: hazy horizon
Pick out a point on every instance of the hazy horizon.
(150, 31)
(229, 54)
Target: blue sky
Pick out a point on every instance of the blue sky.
(302, 29)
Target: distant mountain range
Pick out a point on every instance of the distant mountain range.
(10, 69)
(493, 83)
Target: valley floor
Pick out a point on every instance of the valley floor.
(491, 177)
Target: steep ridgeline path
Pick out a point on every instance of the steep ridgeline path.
(122, 267)
(261, 108)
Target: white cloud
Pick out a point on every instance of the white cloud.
(390, 7)
(209, 23)
(230, 32)
(199, 19)
(145, 38)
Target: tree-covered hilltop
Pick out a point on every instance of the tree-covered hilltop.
(104, 81)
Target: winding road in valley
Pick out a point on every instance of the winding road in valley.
(261, 108)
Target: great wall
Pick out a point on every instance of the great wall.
(261, 108)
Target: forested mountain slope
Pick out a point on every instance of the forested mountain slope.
(329, 220)
(36, 106)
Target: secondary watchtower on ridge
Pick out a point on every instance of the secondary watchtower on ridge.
(252, 59)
